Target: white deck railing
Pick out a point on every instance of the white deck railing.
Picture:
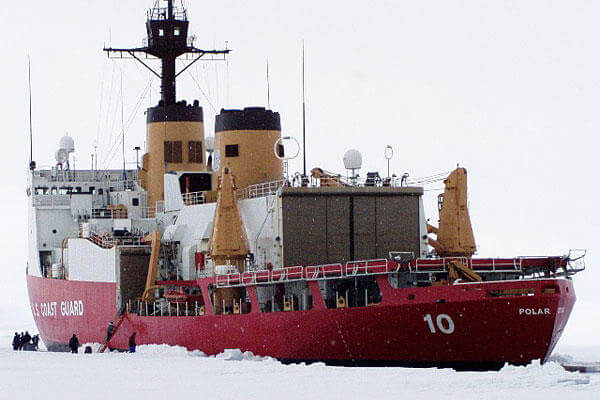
(193, 198)
(261, 189)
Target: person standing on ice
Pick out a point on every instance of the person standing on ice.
(16, 341)
(109, 331)
(21, 343)
(25, 339)
(74, 344)
(132, 343)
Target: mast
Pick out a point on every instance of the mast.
(167, 39)
(303, 117)
(31, 162)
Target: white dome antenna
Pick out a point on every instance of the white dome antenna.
(67, 143)
(61, 156)
(353, 162)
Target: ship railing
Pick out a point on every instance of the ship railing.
(165, 308)
(148, 212)
(575, 261)
(484, 265)
(193, 198)
(261, 189)
(369, 181)
(152, 212)
(126, 180)
(108, 213)
(107, 241)
(162, 13)
(497, 264)
(51, 200)
(308, 273)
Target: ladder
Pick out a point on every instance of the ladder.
(117, 325)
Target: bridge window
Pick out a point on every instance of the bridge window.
(173, 152)
(195, 152)
(231, 150)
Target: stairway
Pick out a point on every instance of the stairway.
(117, 325)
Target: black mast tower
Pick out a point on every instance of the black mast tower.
(167, 39)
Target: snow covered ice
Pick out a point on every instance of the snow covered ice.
(159, 370)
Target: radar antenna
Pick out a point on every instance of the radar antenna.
(167, 39)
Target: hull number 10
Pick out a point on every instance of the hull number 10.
(443, 321)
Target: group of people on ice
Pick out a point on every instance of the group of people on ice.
(24, 341)
(110, 330)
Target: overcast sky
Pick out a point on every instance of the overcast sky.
(508, 89)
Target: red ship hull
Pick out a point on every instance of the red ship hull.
(402, 329)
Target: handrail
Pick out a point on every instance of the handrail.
(107, 241)
(261, 189)
(193, 198)
(308, 273)
(382, 266)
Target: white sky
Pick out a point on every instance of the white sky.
(508, 89)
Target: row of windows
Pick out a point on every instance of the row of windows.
(232, 150)
(173, 152)
(176, 32)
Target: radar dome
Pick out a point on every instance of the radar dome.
(352, 159)
(61, 156)
(67, 143)
(210, 143)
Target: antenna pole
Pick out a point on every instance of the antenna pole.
(170, 9)
(31, 164)
(303, 116)
(123, 126)
(268, 87)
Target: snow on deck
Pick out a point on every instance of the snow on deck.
(160, 371)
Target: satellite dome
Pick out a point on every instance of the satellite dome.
(210, 143)
(67, 143)
(61, 156)
(352, 159)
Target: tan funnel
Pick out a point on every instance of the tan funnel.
(175, 140)
(228, 241)
(455, 234)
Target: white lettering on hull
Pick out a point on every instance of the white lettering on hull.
(534, 311)
(70, 308)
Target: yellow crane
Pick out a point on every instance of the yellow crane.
(454, 237)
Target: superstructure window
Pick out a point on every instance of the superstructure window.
(173, 152)
(231, 150)
(195, 152)
(176, 32)
(135, 201)
(280, 151)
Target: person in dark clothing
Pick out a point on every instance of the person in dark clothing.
(35, 340)
(109, 331)
(132, 343)
(16, 341)
(21, 335)
(26, 339)
(74, 344)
